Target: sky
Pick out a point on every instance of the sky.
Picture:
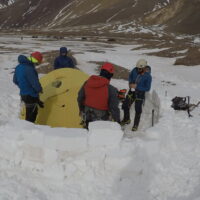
(155, 163)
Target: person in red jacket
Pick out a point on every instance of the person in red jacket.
(97, 99)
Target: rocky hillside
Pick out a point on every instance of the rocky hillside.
(178, 15)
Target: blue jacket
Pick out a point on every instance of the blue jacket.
(143, 81)
(133, 75)
(63, 61)
(26, 77)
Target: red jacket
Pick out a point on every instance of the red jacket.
(96, 92)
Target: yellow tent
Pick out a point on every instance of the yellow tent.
(60, 90)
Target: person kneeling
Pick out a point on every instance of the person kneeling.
(97, 99)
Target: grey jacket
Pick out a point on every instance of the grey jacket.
(113, 102)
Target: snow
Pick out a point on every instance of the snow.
(94, 9)
(157, 163)
(31, 8)
(100, 130)
(197, 40)
(109, 19)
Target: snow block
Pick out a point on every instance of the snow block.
(72, 140)
(31, 153)
(104, 133)
(33, 137)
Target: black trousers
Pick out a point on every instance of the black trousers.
(129, 100)
(31, 107)
(137, 97)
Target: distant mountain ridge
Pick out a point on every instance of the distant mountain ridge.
(6, 3)
(178, 15)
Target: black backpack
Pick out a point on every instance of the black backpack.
(181, 103)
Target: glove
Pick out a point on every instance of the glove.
(41, 104)
(41, 91)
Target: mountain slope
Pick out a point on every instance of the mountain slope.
(6, 3)
(37, 13)
(92, 12)
(178, 15)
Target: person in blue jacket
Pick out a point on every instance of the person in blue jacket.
(63, 61)
(26, 78)
(139, 82)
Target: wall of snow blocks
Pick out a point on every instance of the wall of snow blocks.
(54, 152)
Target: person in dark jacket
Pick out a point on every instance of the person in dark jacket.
(139, 82)
(97, 99)
(63, 61)
(26, 78)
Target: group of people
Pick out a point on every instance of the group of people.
(97, 98)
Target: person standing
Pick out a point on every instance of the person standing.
(63, 61)
(26, 78)
(139, 83)
(97, 99)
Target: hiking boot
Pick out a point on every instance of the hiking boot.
(124, 122)
(134, 128)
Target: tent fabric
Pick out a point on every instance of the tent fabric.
(60, 91)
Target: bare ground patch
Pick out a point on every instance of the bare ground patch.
(192, 57)
(169, 53)
(120, 72)
(173, 48)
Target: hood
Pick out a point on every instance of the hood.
(23, 60)
(149, 69)
(63, 50)
(97, 81)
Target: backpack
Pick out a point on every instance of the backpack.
(179, 103)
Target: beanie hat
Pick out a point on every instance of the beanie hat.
(37, 57)
(108, 67)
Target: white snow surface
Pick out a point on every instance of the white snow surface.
(157, 163)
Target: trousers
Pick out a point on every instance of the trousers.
(138, 97)
(31, 107)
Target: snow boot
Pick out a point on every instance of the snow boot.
(124, 122)
(135, 128)
(136, 122)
